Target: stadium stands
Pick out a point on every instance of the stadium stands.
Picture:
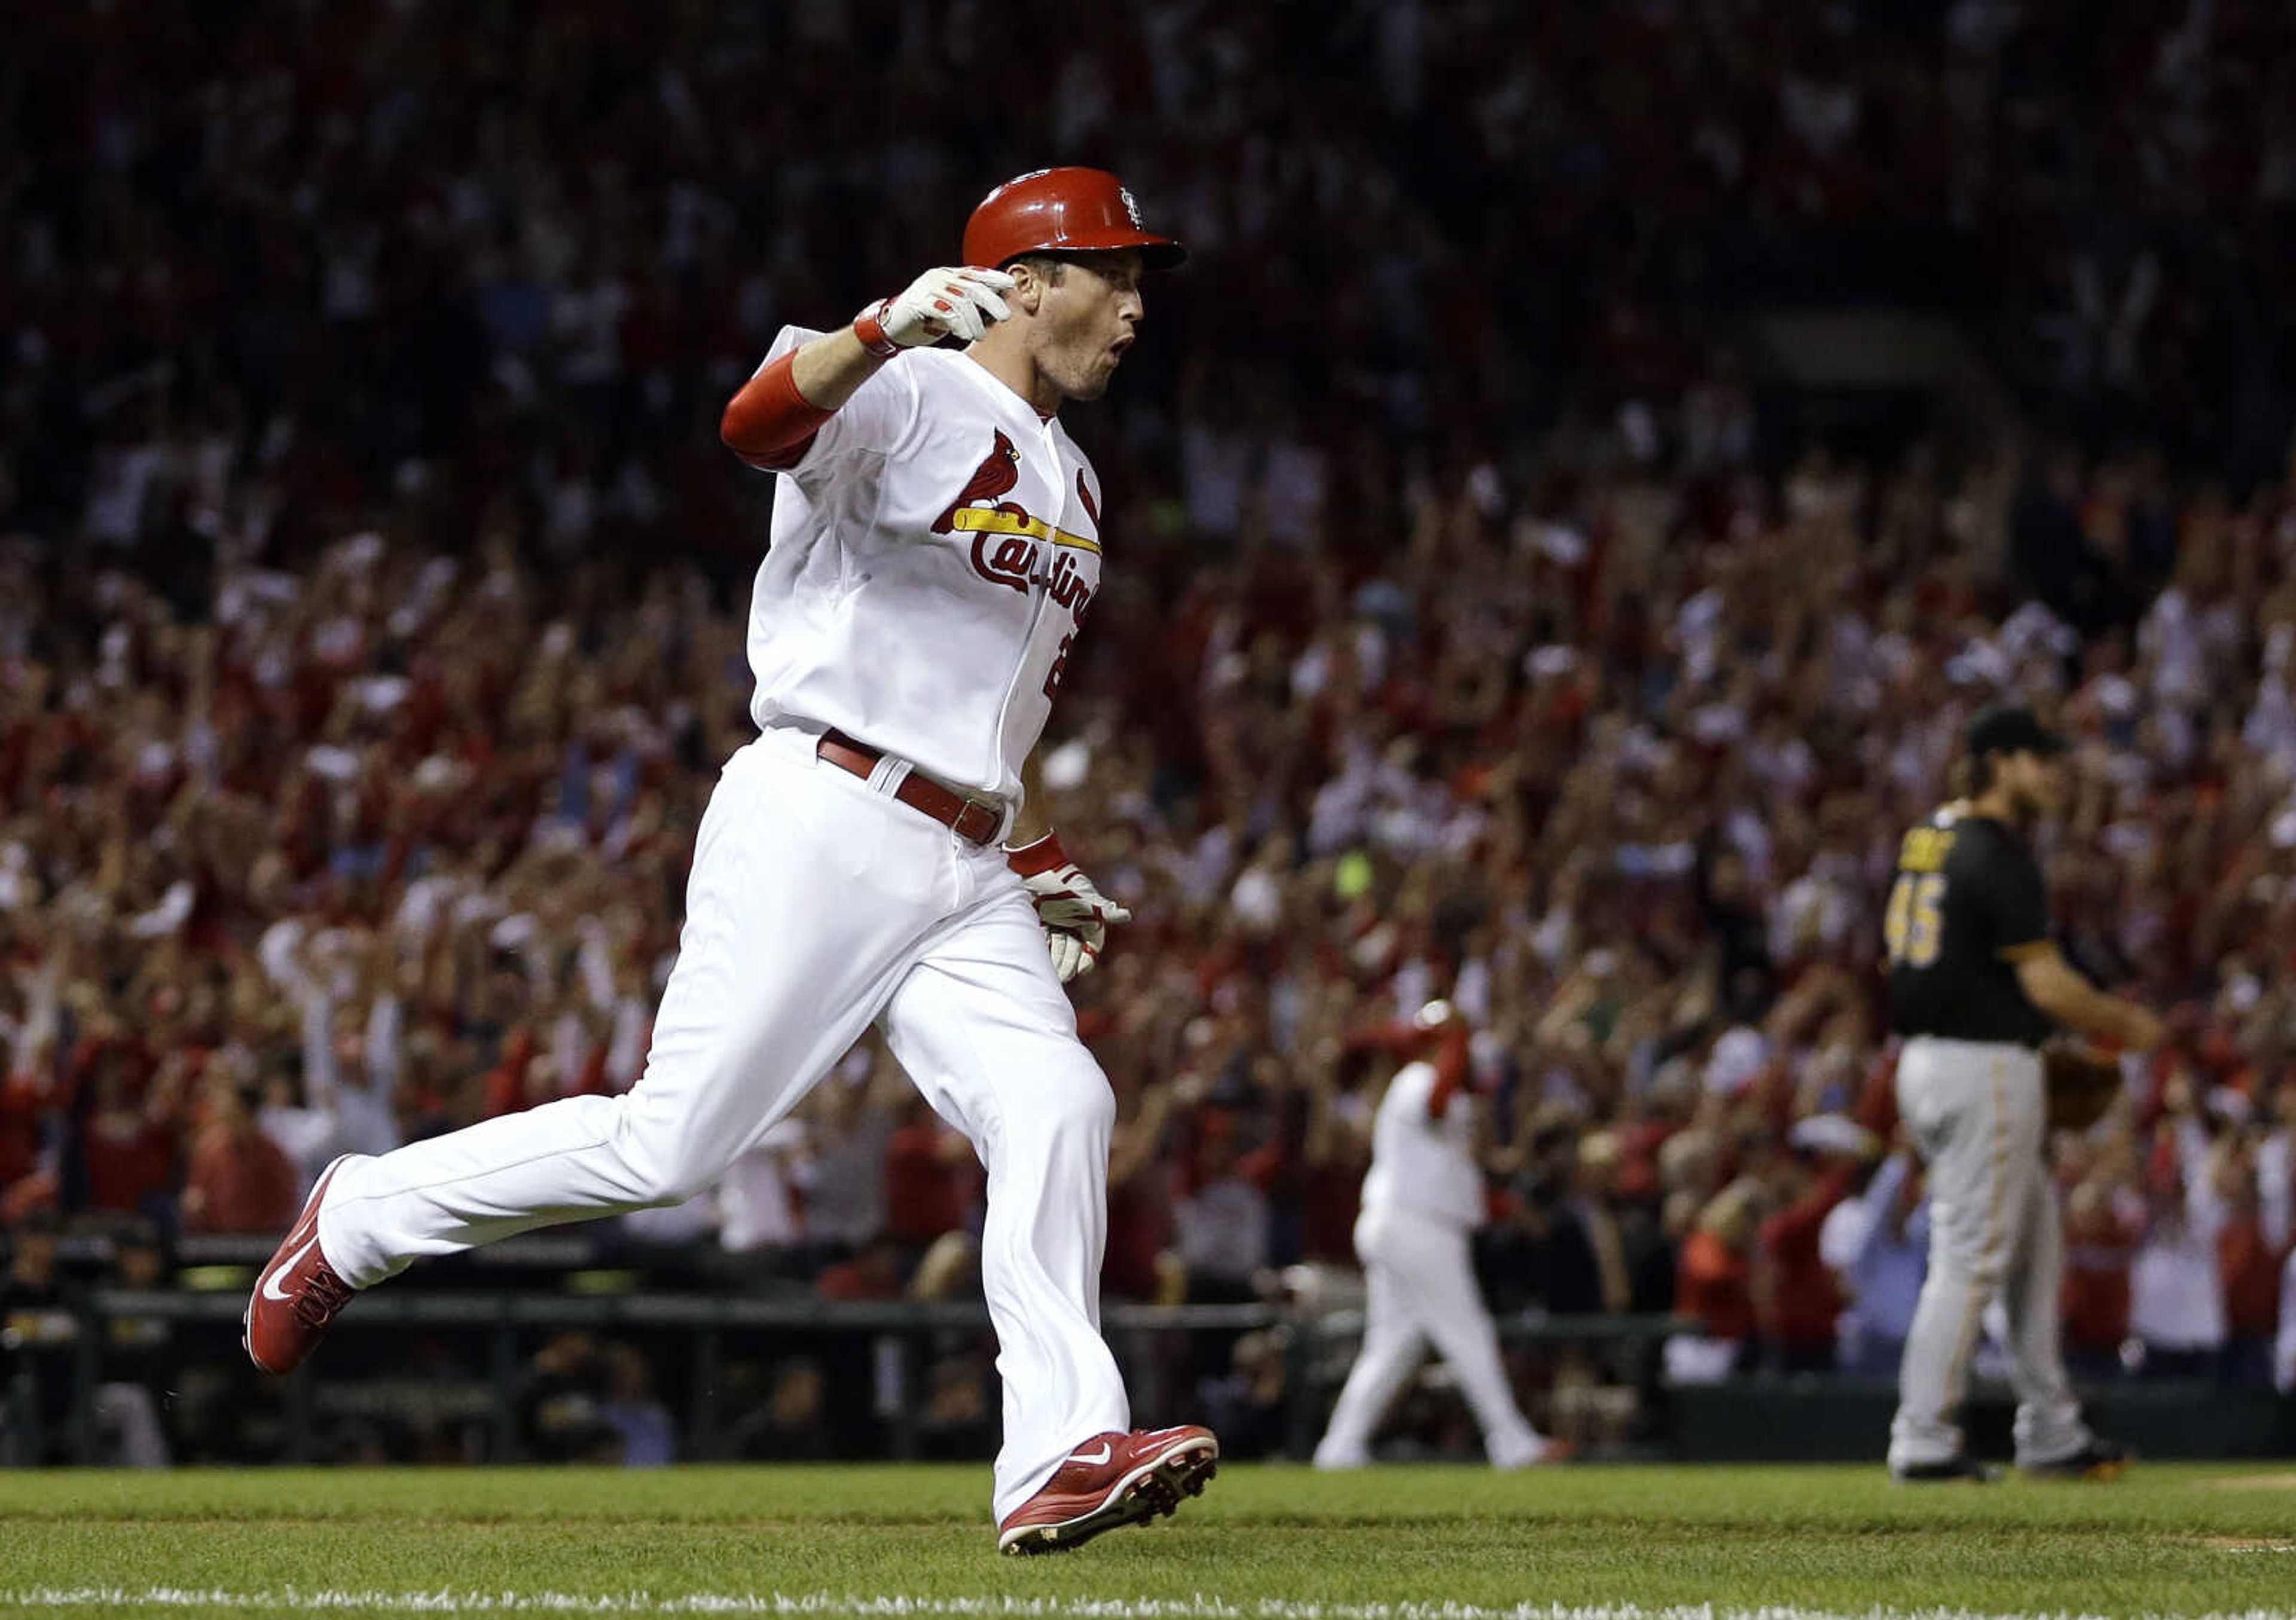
(1483, 620)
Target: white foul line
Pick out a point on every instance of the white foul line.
(446, 1601)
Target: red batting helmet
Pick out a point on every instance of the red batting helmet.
(1063, 210)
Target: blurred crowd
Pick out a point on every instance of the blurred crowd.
(404, 251)
(372, 589)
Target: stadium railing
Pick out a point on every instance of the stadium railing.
(1317, 1345)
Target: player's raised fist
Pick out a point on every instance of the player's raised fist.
(963, 299)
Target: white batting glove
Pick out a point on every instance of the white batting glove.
(1075, 914)
(962, 299)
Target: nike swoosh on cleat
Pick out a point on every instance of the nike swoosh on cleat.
(1105, 1452)
(270, 1288)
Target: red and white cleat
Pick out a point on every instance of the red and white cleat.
(1541, 1452)
(1111, 1479)
(298, 1295)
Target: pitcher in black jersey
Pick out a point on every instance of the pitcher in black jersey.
(1975, 985)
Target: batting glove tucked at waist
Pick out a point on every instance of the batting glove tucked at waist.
(961, 299)
(1075, 914)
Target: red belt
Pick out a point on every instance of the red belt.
(969, 819)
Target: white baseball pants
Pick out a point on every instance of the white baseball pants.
(1422, 1283)
(1978, 1112)
(817, 904)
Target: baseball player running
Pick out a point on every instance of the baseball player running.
(1422, 1198)
(936, 543)
(1975, 985)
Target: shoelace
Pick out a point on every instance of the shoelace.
(321, 1297)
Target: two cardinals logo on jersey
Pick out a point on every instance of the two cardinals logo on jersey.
(1008, 549)
(1016, 551)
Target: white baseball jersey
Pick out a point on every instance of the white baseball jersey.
(1426, 1165)
(934, 552)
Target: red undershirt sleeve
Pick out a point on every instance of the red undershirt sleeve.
(1450, 1071)
(769, 424)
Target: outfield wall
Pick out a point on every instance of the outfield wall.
(1845, 1419)
(1595, 1379)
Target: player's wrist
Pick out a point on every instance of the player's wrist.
(869, 327)
(1039, 855)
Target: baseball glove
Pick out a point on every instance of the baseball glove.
(2081, 1082)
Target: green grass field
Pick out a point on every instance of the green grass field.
(1270, 1543)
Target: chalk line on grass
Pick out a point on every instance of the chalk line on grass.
(447, 1601)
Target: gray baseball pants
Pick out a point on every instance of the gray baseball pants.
(1977, 1111)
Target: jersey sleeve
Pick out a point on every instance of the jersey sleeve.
(1411, 1091)
(873, 421)
(2016, 901)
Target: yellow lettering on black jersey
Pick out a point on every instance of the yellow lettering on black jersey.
(1925, 849)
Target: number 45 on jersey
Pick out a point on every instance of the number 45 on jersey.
(1914, 922)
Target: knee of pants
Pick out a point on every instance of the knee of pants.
(1978, 1256)
(1980, 1273)
(1073, 1106)
(666, 1160)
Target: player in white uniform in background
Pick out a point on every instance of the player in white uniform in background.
(1422, 1198)
(936, 543)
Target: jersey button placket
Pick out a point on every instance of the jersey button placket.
(1048, 450)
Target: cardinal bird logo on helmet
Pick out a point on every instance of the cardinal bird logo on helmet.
(996, 476)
